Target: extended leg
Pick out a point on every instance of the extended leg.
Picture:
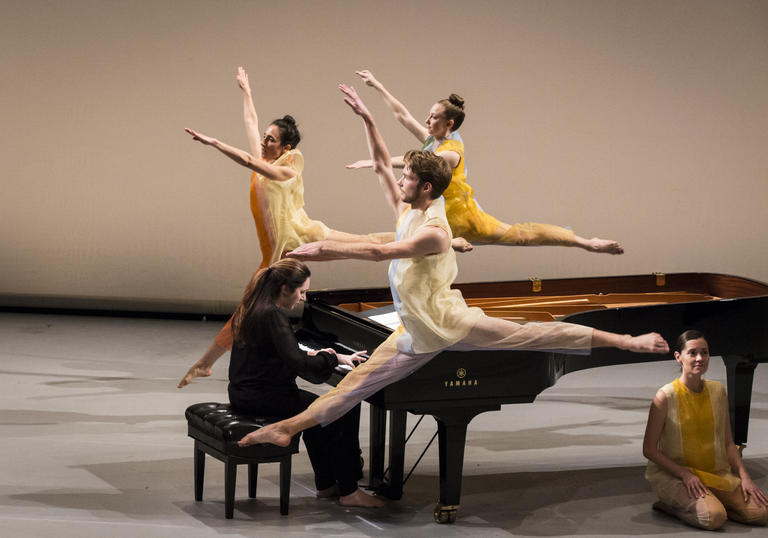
(496, 333)
(202, 368)
(385, 366)
(467, 220)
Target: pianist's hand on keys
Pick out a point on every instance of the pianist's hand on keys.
(346, 361)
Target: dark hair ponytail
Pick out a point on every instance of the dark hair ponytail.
(454, 109)
(262, 292)
(289, 131)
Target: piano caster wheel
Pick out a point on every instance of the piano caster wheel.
(446, 514)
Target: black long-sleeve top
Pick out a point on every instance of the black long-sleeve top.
(265, 369)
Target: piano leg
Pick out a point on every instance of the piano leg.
(740, 372)
(393, 487)
(397, 422)
(377, 436)
(452, 435)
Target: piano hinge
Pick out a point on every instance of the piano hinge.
(661, 279)
(535, 284)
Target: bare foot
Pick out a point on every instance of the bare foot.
(648, 343)
(273, 434)
(327, 493)
(203, 367)
(605, 246)
(459, 244)
(192, 373)
(361, 499)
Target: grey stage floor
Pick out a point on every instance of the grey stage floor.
(93, 443)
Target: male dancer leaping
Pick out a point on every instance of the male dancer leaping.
(434, 317)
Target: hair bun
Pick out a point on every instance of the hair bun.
(455, 99)
(289, 119)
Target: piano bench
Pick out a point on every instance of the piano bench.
(216, 430)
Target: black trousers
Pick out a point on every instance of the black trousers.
(334, 451)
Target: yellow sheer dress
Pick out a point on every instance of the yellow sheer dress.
(281, 222)
(278, 211)
(694, 437)
(434, 315)
(468, 220)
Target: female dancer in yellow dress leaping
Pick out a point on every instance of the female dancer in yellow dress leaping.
(439, 134)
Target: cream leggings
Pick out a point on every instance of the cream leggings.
(388, 364)
(711, 511)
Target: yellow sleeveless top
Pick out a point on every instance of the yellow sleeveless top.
(465, 216)
(278, 211)
(694, 436)
(433, 315)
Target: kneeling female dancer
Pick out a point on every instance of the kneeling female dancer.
(465, 216)
(263, 367)
(691, 451)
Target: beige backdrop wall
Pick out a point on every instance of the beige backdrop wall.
(641, 121)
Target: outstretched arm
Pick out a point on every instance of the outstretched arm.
(429, 240)
(382, 162)
(401, 113)
(270, 171)
(250, 117)
(397, 162)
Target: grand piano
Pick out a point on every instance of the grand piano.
(454, 387)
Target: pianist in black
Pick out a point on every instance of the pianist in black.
(263, 367)
(433, 316)
(693, 464)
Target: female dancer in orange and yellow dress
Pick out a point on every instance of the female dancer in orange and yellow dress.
(440, 135)
(277, 201)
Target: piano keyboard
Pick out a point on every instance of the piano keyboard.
(341, 368)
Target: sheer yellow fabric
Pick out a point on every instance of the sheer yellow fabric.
(466, 219)
(278, 210)
(434, 315)
(694, 436)
(469, 221)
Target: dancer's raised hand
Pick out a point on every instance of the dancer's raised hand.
(242, 80)
(354, 101)
(368, 78)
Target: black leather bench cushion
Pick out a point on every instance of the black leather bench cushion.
(216, 425)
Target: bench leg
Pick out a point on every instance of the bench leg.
(253, 474)
(199, 472)
(230, 478)
(285, 484)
